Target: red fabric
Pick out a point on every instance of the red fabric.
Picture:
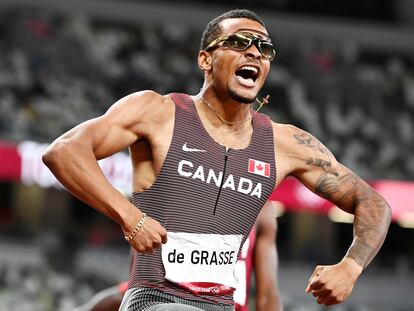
(259, 168)
(296, 197)
(399, 194)
(10, 162)
(210, 288)
(122, 287)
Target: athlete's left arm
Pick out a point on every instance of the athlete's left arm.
(266, 261)
(315, 166)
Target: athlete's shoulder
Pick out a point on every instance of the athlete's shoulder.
(284, 134)
(293, 139)
(298, 149)
(147, 98)
(143, 106)
(262, 119)
(282, 128)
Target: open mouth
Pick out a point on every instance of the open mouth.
(248, 74)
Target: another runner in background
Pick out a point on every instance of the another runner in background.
(259, 253)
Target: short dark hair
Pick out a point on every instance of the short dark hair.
(213, 29)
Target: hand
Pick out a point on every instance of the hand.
(151, 235)
(333, 284)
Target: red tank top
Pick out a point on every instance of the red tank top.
(200, 189)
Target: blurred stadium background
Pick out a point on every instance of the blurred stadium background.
(344, 72)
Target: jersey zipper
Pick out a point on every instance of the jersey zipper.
(226, 156)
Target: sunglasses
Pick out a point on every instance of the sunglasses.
(241, 42)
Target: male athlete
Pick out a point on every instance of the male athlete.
(258, 251)
(203, 167)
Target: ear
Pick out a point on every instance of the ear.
(204, 60)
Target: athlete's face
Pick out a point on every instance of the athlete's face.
(239, 73)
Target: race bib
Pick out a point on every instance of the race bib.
(201, 263)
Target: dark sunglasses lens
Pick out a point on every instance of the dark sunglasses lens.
(266, 48)
(238, 43)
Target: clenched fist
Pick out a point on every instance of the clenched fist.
(333, 284)
(151, 235)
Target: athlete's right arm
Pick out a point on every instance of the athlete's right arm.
(73, 157)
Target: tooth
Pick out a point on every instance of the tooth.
(249, 68)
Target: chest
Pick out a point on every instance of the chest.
(207, 177)
(235, 138)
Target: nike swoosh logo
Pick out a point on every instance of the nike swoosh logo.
(187, 149)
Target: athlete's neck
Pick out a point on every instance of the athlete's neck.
(223, 111)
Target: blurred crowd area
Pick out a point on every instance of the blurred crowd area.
(383, 10)
(34, 288)
(59, 70)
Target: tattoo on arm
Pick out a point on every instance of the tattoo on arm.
(372, 213)
(325, 165)
(352, 194)
(338, 189)
(372, 218)
(309, 141)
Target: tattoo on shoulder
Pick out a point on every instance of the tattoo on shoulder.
(309, 141)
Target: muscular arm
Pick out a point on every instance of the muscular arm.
(266, 261)
(372, 213)
(72, 158)
(322, 174)
(314, 165)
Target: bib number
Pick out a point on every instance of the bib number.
(201, 263)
